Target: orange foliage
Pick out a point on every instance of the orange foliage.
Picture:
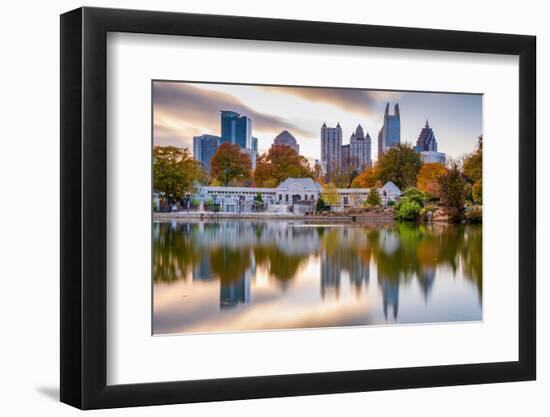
(428, 176)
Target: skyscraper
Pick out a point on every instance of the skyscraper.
(390, 134)
(360, 149)
(426, 140)
(236, 129)
(286, 138)
(331, 147)
(204, 148)
(426, 145)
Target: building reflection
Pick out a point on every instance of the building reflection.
(233, 294)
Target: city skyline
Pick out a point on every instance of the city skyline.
(183, 110)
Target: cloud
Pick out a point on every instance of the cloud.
(182, 111)
(357, 101)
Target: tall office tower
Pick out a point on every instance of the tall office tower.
(331, 147)
(204, 148)
(426, 140)
(254, 144)
(390, 134)
(346, 156)
(236, 129)
(285, 138)
(360, 149)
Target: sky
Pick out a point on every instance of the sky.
(182, 110)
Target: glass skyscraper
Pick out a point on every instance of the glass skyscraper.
(236, 129)
(204, 148)
(390, 134)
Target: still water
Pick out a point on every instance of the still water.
(239, 275)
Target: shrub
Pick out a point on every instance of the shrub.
(195, 202)
(391, 203)
(408, 210)
(473, 214)
(414, 194)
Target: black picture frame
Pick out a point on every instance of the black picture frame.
(84, 207)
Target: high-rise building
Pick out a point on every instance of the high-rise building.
(286, 138)
(426, 140)
(236, 129)
(204, 148)
(360, 149)
(426, 145)
(390, 134)
(252, 154)
(254, 144)
(331, 147)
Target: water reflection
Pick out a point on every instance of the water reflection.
(251, 275)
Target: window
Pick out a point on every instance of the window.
(286, 197)
(280, 197)
(346, 199)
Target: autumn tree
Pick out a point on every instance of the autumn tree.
(400, 164)
(452, 191)
(174, 171)
(427, 180)
(343, 174)
(366, 179)
(229, 165)
(472, 169)
(280, 163)
(330, 194)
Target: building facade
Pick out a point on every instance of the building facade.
(204, 148)
(390, 133)
(294, 195)
(236, 129)
(331, 147)
(286, 138)
(429, 157)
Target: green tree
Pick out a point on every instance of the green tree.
(399, 164)
(373, 198)
(230, 166)
(174, 171)
(452, 192)
(320, 206)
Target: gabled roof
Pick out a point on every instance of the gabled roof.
(306, 183)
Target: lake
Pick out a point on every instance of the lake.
(243, 275)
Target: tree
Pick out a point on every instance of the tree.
(229, 165)
(477, 194)
(427, 180)
(366, 179)
(373, 198)
(343, 174)
(472, 167)
(281, 162)
(320, 205)
(330, 194)
(452, 192)
(258, 198)
(399, 164)
(174, 171)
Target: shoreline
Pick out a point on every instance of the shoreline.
(373, 217)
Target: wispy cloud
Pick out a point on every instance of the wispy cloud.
(361, 102)
(182, 111)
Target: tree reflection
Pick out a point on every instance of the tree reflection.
(229, 251)
(174, 251)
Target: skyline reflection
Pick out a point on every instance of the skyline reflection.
(253, 275)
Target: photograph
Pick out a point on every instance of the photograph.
(293, 207)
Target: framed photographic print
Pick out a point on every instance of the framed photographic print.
(255, 208)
